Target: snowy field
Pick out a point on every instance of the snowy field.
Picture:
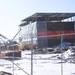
(43, 64)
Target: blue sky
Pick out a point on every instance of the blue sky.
(13, 11)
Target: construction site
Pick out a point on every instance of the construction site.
(46, 45)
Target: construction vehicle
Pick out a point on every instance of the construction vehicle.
(9, 48)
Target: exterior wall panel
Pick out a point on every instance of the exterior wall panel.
(48, 30)
(41, 31)
(59, 26)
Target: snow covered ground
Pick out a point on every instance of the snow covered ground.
(43, 64)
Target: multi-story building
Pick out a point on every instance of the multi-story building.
(47, 29)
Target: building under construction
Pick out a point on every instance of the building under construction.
(45, 29)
